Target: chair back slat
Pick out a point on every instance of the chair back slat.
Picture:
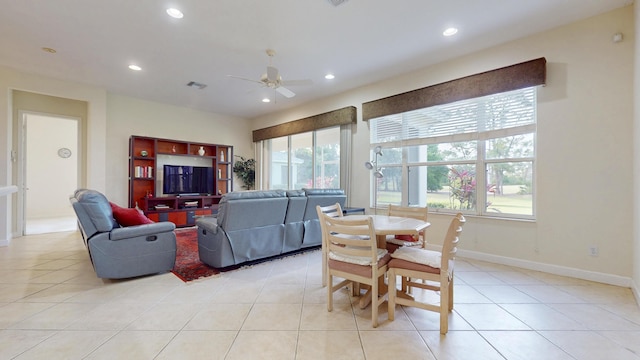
(351, 237)
(334, 210)
(420, 213)
(450, 245)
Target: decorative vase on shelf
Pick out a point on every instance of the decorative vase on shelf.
(201, 151)
(222, 155)
(173, 149)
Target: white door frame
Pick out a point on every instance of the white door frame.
(22, 161)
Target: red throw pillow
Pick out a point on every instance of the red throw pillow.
(406, 238)
(128, 216)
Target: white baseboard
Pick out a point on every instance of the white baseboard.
(554, 269)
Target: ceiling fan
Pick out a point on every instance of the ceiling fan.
(273, 80)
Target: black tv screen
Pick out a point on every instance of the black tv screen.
(178, 179)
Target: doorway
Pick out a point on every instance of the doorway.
(48, 172)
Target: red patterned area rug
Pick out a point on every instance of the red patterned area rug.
(188, 266)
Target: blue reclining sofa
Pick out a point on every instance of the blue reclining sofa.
(252, 225)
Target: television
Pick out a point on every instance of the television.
(187, 180)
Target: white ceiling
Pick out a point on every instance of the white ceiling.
(360, 41)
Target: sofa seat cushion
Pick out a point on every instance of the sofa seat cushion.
(129, 216)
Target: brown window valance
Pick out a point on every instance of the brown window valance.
(346, 115)
(518, 76)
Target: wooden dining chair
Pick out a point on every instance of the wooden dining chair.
(433, 266)
(353, 255)
(395, 241)
(331, 211)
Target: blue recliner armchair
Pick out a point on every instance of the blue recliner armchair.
(122, 252)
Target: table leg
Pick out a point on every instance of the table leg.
(381, 240)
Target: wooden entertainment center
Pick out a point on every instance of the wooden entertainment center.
(147, 155)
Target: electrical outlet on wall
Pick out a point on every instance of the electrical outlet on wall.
(593, 250)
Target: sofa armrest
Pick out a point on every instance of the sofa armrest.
(208, 224)
(141, 230)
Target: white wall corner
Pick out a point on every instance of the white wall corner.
(554, 269)
(634, 290)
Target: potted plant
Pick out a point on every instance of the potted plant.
(245, 169)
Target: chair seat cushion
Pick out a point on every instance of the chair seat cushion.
(419, 256)
(356, 260)
(406, 237)
(408, 265)
(403, 240)
(360, 270)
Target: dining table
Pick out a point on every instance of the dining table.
(389, 225)
(392, 225)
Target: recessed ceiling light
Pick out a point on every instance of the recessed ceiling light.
(329, 77)
(266, 100)
(135, 67)
(49, 50)
(450, 31)
(175, 13)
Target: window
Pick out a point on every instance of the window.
(475, 156)
(307, 160)
(327, 159)
(301, 164)
(276, 149)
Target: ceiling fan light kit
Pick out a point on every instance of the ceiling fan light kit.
(272, 79)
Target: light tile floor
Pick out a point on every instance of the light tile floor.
(52, 306)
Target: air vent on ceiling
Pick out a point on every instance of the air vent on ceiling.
(196, 85)
(337, 2)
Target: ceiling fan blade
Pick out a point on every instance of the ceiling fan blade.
(285, 92)
(272, 74)
(245, 79)
(297, 82)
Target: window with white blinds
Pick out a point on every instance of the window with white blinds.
(510, 110)
(475, 155)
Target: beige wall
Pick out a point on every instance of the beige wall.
(111, 120)
(129, 116)
(11, 80)
(584, 149)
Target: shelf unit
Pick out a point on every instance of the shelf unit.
(146, 154)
